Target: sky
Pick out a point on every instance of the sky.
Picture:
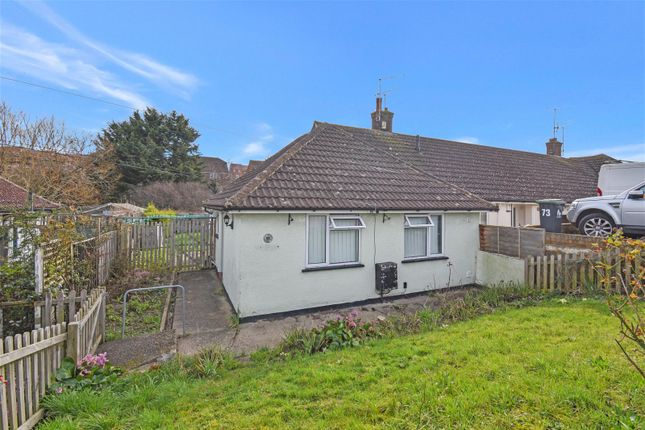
(251, 77)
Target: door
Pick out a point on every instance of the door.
(633, 211)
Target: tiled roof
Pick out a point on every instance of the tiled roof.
(253, 164)
(13, 196)
(214, 165)
(328, 168)
(495, 174)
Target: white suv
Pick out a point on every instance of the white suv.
(598, 216)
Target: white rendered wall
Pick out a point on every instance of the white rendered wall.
(263, 278)
(493, 269)
(527, 214)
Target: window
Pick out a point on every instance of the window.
(423, 236)
(333, 239)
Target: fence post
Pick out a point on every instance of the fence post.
(72, 305)
(73, 341)
(40, 282)
(48, 309)
(103, 298)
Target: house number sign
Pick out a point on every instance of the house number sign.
(268, 238)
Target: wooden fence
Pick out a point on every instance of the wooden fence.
(512, 241)
(174, 244)
(577, 271)
(92, 260)
(55, 309)
(107, 252)
(28, 361)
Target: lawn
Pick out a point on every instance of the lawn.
(550, 366)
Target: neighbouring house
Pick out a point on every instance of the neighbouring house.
(214, 169)
(511, 179)
(254, 164)
(115, 210)
(333, 218)
(15, 198)
(236, 170)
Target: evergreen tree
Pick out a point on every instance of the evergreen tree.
(153, 146)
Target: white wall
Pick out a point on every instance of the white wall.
(527, 214)
(263, 278)
(494, 269)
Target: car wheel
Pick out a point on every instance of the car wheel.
(596, 224)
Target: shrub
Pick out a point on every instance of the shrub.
(151, 211)
(627, 306)
(343, 332)
(92, 371)
(183, 196)
(209, 362)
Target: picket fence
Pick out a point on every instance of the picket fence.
(578, 271)
(28, 361)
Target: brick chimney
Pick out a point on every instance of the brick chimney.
(381, 118)
(554, 147)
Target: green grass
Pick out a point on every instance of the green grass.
(551, 366)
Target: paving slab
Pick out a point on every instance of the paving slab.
(133, 352)
(207, 307)
(209, 316)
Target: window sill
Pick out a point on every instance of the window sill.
(338, 266)
(433, 258)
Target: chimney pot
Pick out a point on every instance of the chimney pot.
(381, 118)
(554, 147)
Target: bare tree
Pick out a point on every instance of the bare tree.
(181, 196)
(44, 157)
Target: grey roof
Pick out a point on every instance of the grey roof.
(329, 168)
(495, 174)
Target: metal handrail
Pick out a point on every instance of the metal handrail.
(160, 287)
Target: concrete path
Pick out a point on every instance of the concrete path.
(207, 308)
(133, 352)
(208, 313)
(209, 316)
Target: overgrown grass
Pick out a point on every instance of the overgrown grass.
(553, 365)
(144, 308)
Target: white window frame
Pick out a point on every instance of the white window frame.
(331, 225)
(429, 222)
(332, 222)
(427, 226)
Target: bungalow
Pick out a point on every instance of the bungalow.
(334, 218)
(511, 179)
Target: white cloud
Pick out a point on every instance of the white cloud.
(26, 53)
(255, 148)
(468, 139)
(162, 75)
(634, 152)
(259, 147)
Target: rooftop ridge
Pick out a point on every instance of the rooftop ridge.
(263, 174)
(411, 166)
(414, 136)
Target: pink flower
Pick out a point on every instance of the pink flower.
(59, 390)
